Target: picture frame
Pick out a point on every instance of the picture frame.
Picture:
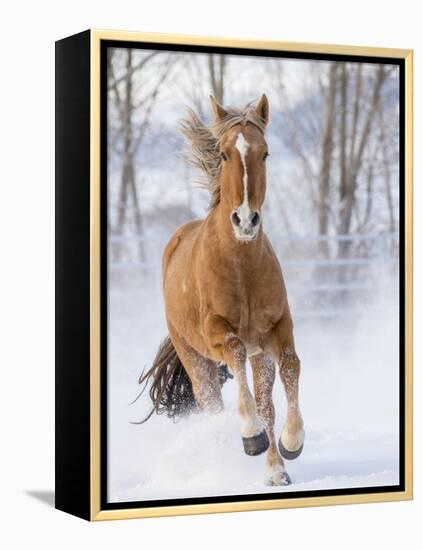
(83, 465)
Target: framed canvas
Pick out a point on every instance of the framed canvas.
(233, 274)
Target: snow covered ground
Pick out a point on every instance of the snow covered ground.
(349, 399)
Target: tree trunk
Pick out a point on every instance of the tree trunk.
(217, 65)
(139, 226)
(326, 162)
(347, 201)
(342, 133)
(127, 164)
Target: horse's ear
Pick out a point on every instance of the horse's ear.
(218, 111)
(262, 109)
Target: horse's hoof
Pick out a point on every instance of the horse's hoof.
(279, 479)
(223, 373)
(256, 444)
(289, 455)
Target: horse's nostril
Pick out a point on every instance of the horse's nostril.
(236, 220)
(255, 220)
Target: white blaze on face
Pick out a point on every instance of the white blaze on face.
(244, 209)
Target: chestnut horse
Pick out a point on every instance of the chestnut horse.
(225, 297)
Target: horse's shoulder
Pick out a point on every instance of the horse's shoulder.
(180, 234)
(188, 227)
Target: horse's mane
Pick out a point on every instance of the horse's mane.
(204, 142)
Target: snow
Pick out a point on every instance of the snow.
(348, 396)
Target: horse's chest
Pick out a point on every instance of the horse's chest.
(248, 296)
(254, 317)
(251, 313)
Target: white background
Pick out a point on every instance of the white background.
(27, 271)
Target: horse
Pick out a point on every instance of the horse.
(225, 297)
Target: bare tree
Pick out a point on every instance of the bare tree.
(217, 65)
(360, 138)
(386, 169)
(326, 156)
(133, 113)
(335, 129)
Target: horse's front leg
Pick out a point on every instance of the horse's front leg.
(264, 377)
(227, 347)
(283, 349)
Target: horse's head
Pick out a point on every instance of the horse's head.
(243, 150)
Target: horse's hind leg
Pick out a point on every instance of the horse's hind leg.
(264, 377)
(202, 372)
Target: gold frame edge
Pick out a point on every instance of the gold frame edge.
(95, 271)
(96, 514)
(408, 276)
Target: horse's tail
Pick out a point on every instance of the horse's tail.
(171, 388)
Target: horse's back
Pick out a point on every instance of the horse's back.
(182, 238)
(177, 257)
(178, 282)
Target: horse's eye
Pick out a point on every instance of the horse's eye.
(224, 156)
(266, 154)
